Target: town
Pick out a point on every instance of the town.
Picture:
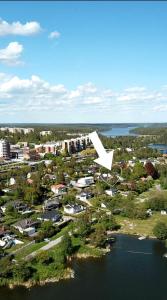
(54, 196)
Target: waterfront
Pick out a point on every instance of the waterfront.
(119, 131)
(133, 270)
(162, 148)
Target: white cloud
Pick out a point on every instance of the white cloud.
(160, 108)
(37, 95)
(135, 89)
(54, 35)
(17, 28)
(11, 54)
(93, 100)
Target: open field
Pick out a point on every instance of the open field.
(140, 227)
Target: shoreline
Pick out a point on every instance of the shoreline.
(69, 273)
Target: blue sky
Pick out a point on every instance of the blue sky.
(83, 62)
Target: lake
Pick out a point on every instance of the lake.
(133, 270)
(119, 131)
(160, 147)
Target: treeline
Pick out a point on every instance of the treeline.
(58, 133)
(160, 133)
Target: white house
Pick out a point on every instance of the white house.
(73, 209)
(84, 181)
(84, 196)
(29, 231)
(12, 181)
(110, 192)
(129, 149)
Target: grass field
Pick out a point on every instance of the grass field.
(141, 227)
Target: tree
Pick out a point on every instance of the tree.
(67, 245)
(138, 171)
(100, 187)
(150, 170)
(160, 231)
(157, 202)
(22, 272)
(44, 258)
(69, 198)
(83, 225)
(98, 237)
(5, 267)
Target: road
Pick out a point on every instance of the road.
(45, 248)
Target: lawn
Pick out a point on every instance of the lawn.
(141, 227)
(29, 249)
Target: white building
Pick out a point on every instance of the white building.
(84, 181)
(110, 192)
(12, 181)
(73, 209)
(17, 129)
(45, 132)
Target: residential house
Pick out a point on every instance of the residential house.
(26, 226)
(12, 181)
(59, 189)
(84, 182)
(17, 205)
(84, 196)
(52, 215)
(50, 204)
(73, 208)
(111, 192)
(50, 177)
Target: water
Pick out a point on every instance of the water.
(119, 131)
(134, 270)
(160, 147)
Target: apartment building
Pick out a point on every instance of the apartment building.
(17, 129)
(75, 145)
(4, 149)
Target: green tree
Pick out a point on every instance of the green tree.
(160, 231)
(138, 171)
(66, 245)
(98, 237)
(22, 272)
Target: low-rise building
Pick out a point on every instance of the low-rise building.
(26, 226)
(84, 196)
(84, 182)
(58, 189)
(12, 181)
(50, 204)
(111, 192)
(52, 215)
(45, 132)
(73, 208)
(17, 205)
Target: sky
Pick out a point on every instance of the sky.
(83, 62)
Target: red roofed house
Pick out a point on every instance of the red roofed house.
(59, 189)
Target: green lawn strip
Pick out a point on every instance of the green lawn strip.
(29, 249)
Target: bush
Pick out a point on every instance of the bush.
(160, 231)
